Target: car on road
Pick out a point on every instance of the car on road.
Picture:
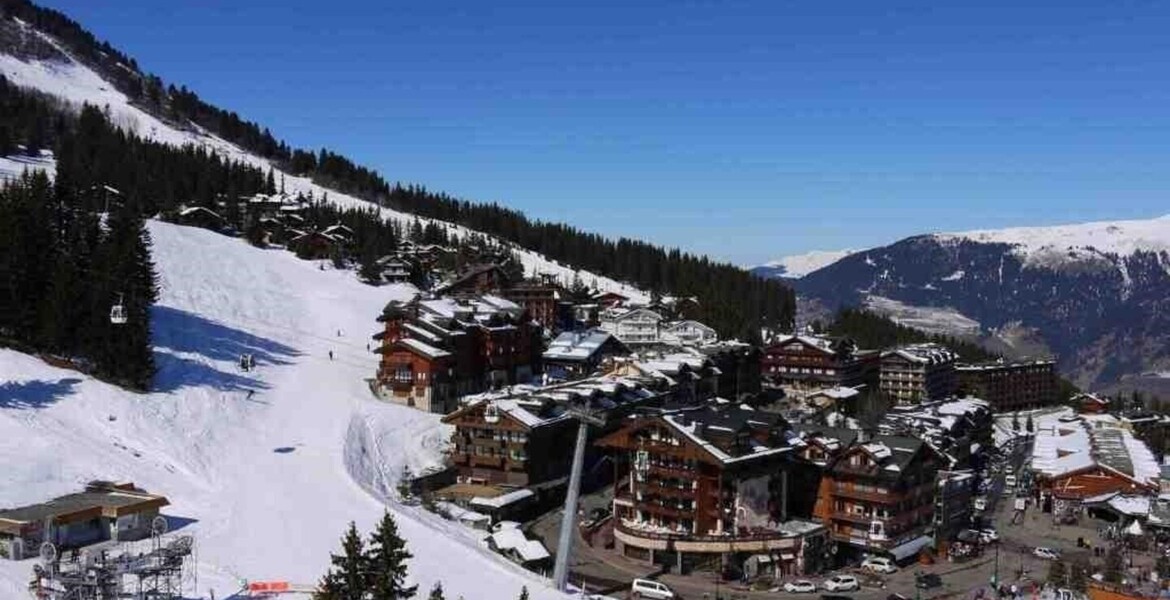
(1045, 553)
(645, 588)
(879, 564)
(925, 581)
(1009, 481)
(800, 586)
(988, 536)
(841, 583)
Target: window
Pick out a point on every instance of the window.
(403, 373)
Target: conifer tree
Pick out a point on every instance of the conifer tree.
(348, 579)
(437, 592)
(524, 593)
(387, 558)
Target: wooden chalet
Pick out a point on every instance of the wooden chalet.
(806, 363)
(577, 354)
(703, 487)
(523, 435)
(314, 245)
(204, 218)
(451, 348)
(478, 279)
(541, 300)
(879, 497)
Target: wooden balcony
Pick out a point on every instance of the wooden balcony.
(673, 471)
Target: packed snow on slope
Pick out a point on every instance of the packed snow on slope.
(266, 484)
(1063, 243)
(933, 319)
(78, 84)
(799, 265)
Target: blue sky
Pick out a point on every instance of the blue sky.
(743, 130)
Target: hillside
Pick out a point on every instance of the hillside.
(1097, 295)
(43, 50)
(312, 448)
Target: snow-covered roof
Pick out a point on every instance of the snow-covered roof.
(837, 393)
(1065, 445)
(508, 539)
(502, 500)
(926, 354)
(531, 551)
(423, 348)
(821, 343)
(576, 346)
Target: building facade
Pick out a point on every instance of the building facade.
(919, 372)
(434, 351)
(1011, 386)
(806, 363)
(880, 497)
(634, 327)
(699, 488)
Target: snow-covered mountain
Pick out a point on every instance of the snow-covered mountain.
(1096, 294)
(63, 76)
(268, 482)
(799, 265)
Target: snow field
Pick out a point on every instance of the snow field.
(266, 483)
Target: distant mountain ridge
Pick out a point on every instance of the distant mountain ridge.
(1097, 294)
(799, 265)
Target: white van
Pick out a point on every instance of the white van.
(1010, 481)
(644, 588)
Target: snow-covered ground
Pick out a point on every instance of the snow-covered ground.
(932, 319)
(78, 84)
(1058, 244)
(266, 484)
(799, 265)
(12, 167)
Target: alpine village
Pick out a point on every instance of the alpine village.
(599, 418)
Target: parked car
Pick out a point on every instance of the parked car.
(1010, 481)
(841, 583)
(879, 564)
(926, 581)
(981, 503)
(988, 536)
(1045, 553)
(645, 588)
(800, 586)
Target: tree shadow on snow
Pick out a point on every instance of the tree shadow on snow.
(180, 331)
(35, 394)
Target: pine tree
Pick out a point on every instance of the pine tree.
(437, 592)
(1029, 426)
(348, 579)
(524, 593)
(387, 559)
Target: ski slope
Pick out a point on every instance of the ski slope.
(77, 84)
(267, 484)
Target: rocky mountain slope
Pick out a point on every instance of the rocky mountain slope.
(1096, 294)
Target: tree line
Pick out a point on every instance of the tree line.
(733, 301)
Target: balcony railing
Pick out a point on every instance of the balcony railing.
(694, 537)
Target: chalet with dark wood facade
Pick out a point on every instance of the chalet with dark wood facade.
(434, 351)
(523, 436)
(879, 497)
(700, 487)
(577, 354)
(918, 372)
(804, 364)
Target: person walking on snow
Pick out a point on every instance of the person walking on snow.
(330, 355)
